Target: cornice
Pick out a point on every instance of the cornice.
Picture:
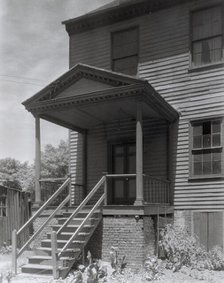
(116, 14)
(89, 98)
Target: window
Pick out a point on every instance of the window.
(207, 39)
(206, 148)
(125, 51)
(3, 206)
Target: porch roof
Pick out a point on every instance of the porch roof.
(85, 96)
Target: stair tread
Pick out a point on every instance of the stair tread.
(75, 225)
(47, 257)
(62, 241)
(49, 249)
(41, 266)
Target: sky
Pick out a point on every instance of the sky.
(34, 50)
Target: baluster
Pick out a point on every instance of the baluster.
(54, 254)
(14, 251)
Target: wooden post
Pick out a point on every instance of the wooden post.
(14, 251)
(105, 190)
(54, 250)
(37, 161)
(139, 156)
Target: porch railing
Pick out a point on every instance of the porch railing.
(156, 190)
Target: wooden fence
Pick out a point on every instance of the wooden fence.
(14, 212)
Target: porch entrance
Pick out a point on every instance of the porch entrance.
(123, 162)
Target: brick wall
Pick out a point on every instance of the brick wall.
(134, 238)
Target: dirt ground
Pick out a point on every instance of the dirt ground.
(183, 276)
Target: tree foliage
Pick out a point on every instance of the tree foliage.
(20, 175)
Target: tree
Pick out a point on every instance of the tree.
(18, 175)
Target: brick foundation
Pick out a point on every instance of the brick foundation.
(135, 238)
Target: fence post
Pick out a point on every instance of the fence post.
(14, 251)
(54, 250)
(105, 190)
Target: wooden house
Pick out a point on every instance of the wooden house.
(143, 100)
(14, 212)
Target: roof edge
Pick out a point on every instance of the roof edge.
(115, 14)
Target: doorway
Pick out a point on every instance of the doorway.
(123, 161)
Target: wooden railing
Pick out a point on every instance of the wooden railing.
(49, 186)
(57, 255)
(156, 190)
(16, 234)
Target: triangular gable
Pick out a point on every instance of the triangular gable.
(81, 79)
(83, 86)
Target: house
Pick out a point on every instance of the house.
(143, 100)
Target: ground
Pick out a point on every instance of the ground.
(168, 277)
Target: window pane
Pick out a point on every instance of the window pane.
(216, 127)
(207, 164)
(207, 23)
(216, 167)
(126, 65)
(197, 130)
(206, 141)
(216, 140)
(206, 128)
(216, 156)
(197, 168)
(197, 142)
(197, 157)
(4, 212)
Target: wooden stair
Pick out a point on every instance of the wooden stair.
(42, 261)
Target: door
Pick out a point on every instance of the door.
(123, 162)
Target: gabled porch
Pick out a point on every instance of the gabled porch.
(122, 130)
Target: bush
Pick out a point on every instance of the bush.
(183, 249)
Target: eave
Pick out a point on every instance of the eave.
(116, 14)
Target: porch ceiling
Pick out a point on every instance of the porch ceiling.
(86, 96)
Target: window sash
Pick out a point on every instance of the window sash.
(207, 148)
(207, 36)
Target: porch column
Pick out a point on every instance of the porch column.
(139, 156)
(37, 161)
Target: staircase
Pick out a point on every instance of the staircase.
(41, 263)
(64, 245)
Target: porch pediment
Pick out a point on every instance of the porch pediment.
(86, 96)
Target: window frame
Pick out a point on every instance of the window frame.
(220, 63)
(209, 149)
(3, 206)
(111, 46)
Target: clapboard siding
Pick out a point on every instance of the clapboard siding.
(164, 60)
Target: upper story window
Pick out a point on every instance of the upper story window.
(125, 51)
(206, 148)
(207, 36)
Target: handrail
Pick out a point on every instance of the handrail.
(45, 205)
(81, 225)
(156, 178)
(82, 204)
(15, 233)
(120, 175)
(43, 225)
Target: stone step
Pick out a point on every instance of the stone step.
(40, 269)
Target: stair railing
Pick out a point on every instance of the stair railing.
(55, 254)
(15, 233)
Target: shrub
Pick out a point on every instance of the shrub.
(181, 248)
